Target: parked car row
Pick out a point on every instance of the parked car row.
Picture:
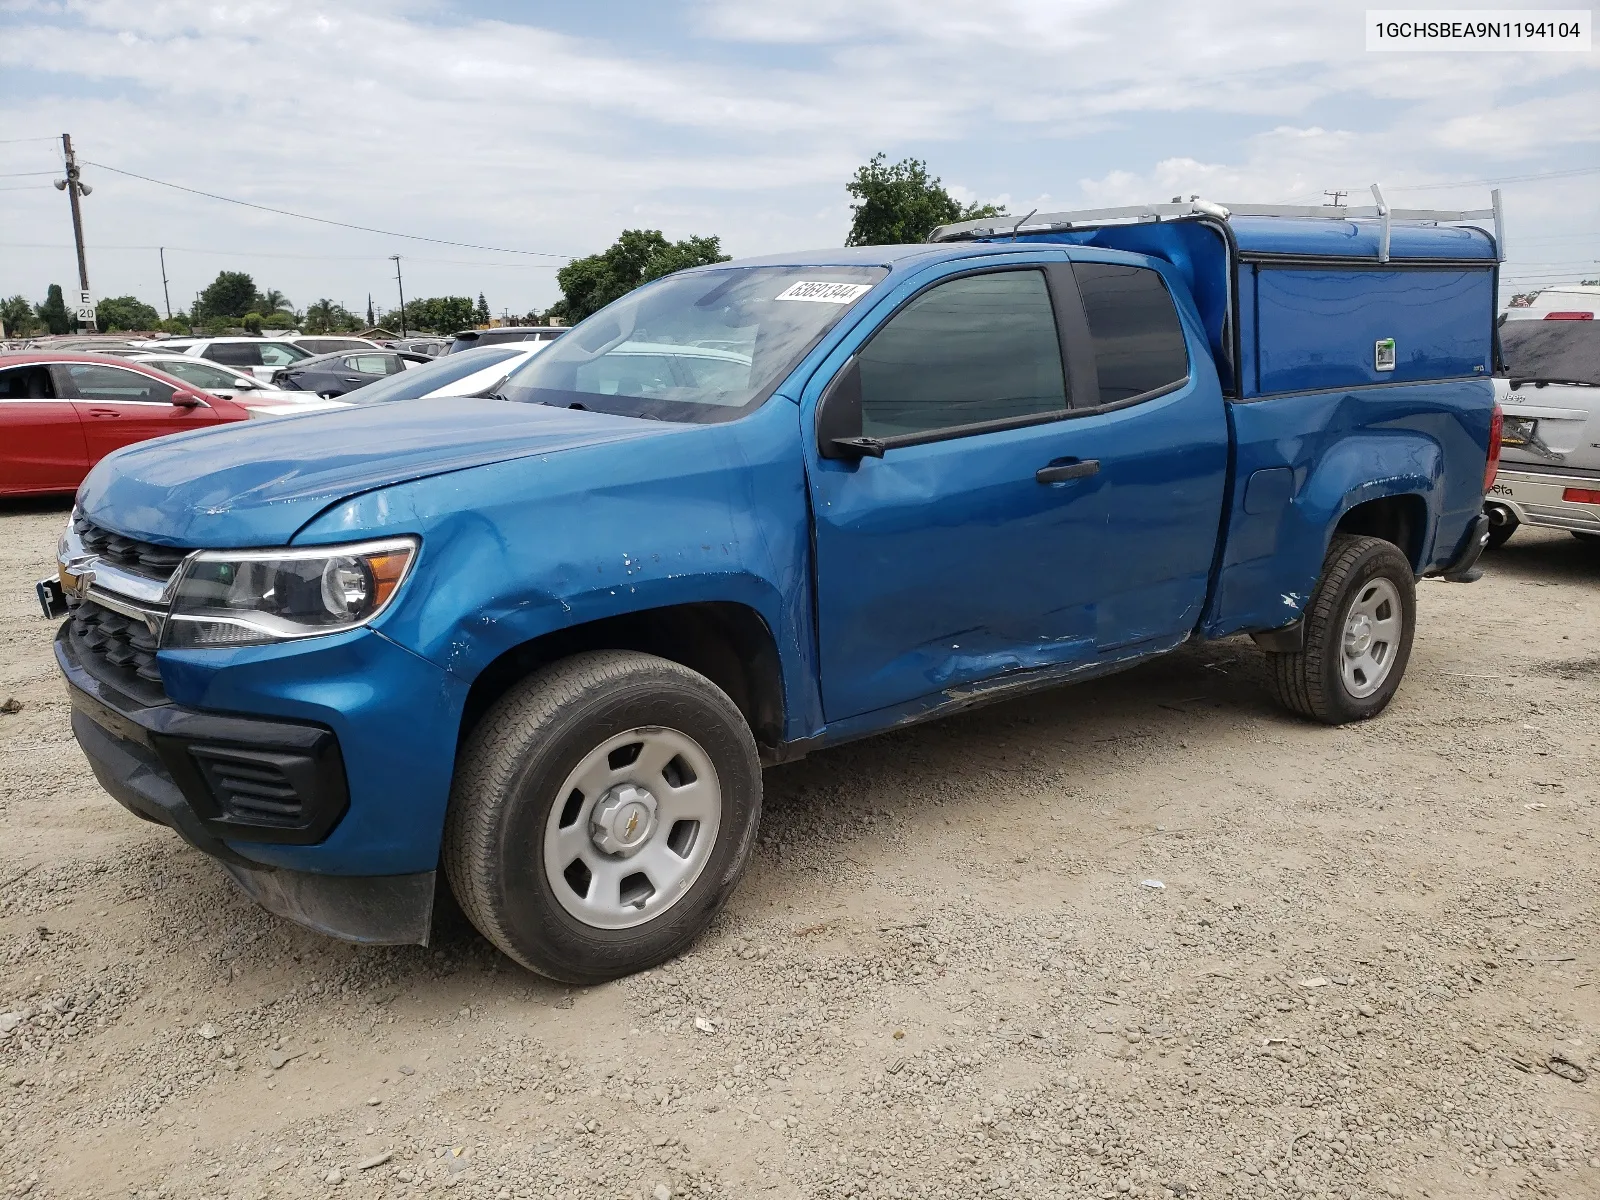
(61, 413)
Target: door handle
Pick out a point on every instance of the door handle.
(351, 378)
(104, 412)
(1061, 472)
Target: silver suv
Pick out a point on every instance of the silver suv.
(1549, 390)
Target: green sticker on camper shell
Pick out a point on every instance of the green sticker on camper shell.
(1383, 355)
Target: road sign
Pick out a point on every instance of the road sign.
(86, 313)
(85, 300)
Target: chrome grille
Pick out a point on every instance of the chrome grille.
(142, 558)
(117, 650)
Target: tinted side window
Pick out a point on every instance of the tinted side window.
(1138, 342)
(979, 348)
(112, 383)
(234, 354)
(26, 383)
(279, 354)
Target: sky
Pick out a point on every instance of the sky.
(541, 130)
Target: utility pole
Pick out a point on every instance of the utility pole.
(1338, 198)
(74, 187)
(166, 295)
(402, 287)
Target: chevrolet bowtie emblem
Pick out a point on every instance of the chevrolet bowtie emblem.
(633, 823)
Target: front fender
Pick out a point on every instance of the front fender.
(517, 550)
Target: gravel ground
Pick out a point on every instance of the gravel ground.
(1371, 968)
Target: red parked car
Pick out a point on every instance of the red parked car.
(62, 413)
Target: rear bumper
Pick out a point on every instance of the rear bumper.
(1535, 498)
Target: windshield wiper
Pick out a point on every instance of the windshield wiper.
(1539, 381)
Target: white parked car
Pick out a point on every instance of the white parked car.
(465, 373)
(235, 383)
(1549, 391)
(327, 343)
(260, 356)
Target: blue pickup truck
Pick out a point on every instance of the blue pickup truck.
(544, 640)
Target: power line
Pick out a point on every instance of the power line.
(283, 212)
(235, 252)
(28, 187)
(17, 141)
(20, 174)
(1428, 187)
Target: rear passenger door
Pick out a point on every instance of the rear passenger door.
(42, 447)
(1027, 512)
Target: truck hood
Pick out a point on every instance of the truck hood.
(256, 483)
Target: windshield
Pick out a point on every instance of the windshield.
(1565, 351)
(430, 377)
(701, 347)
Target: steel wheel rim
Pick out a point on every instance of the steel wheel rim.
(1373, 625)
(632, 827)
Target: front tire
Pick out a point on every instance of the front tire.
(603, 811)
(1358, 630)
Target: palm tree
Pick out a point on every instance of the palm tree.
(320, 317)
(272, 301)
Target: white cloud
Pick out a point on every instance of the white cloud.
(417, 118)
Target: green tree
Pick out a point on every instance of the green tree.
(271, 301)
(178, 325)
(435, 314)
(638, 256)
(251, 322)
(231, 294)
(329, 316)
(902, 203)
(52, 314)
(480, 314)
(125, 312)
(16, 314)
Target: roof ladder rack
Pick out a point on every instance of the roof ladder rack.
(1057, 222)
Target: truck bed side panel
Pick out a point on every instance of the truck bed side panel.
(1304, 460)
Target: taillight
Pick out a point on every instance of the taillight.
(1581, 496)
(1569, 316)
(1492, 468)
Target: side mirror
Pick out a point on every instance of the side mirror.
(245, 384)
(185, 400)
(839, 419)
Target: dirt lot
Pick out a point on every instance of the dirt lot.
(944, 976)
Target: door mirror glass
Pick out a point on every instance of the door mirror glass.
(185, 399)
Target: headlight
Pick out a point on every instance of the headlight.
(251, 597)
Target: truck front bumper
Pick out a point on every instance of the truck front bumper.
(271, 798)
(1536, 496)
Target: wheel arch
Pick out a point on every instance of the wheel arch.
(1400, 518)
(727, 642)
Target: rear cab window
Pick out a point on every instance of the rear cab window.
(1139, 348)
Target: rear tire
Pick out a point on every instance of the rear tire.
(602, 813)
(1358, 630)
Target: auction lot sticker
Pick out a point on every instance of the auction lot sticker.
(819, 292)
(1447, 30)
